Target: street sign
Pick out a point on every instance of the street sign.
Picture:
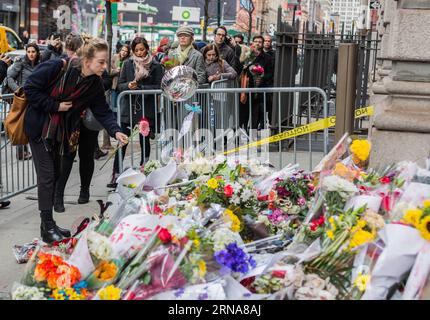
(374, 4)
(189, 14)
(137, 8)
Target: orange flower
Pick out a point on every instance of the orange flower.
(106, 271)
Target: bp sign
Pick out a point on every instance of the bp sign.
(188, 14)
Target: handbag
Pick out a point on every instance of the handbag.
(90, 121)
(14, 122)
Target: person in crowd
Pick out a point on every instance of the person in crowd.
(216, 67)
(226, 51)
(268, 48)
(189, 56)
(162, 49)
(140, 72)
(249, 80)
(5, 61)
(56, 102)
(117, 63)
(238, 38)
(17, 74)
(25, 37)
(55, 48)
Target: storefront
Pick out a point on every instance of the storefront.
(9, 14)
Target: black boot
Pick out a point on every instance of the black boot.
(64, 232)
(59, 203)
(112, 183)
(49, 232)
(84, 196)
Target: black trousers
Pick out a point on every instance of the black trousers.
(256, 114)
(145, 147)
(47, 168)
(87, 145)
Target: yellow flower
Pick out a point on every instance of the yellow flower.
(202, 268)
(212, 183)
(196, 243)
(330, 234)
(412, 216)
(361, 223)
(360, 237)
(361, 149)
(424, 227)
(229, 216)
(426, 203)
(58, 296)
(331, 220)
(110, 293)
(361, 281)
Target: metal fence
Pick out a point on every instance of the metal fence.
(221, 123)
(310, 59)
(17, 172)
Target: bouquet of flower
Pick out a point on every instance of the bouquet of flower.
(171, 60)
(257, 72)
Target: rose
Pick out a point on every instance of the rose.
(279, 273)
(385, 180)
(164, 235)
(301, 201)
(228, 191)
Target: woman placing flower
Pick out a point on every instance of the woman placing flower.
(53, 118)
(140, 72)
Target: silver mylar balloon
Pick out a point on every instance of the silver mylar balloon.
(179, 83)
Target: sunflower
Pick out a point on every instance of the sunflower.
(412, 216)
(424, 227)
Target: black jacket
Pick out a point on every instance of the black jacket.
(40, 104)
(266, 62)
(152, 82)
(3, 70)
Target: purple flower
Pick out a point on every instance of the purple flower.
(234, 258)
(179, 292)
(203, 296)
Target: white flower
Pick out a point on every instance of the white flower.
(246, 195)
(224, 236)
(263, 219)
(335, 183)
(177, 231)
(27, 293)
(99, 246)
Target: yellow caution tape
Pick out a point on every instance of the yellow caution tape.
(299, 131)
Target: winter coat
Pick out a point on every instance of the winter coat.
(116, 70)
(224, 69)
(41, 104)
(266, 62)
(18, 72)
(196, 61)
(152, 82)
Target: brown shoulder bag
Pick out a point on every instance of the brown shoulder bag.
(14, 122)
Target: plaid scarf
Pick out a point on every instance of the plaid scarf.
(64, 127)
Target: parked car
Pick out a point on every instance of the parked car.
(9, 40)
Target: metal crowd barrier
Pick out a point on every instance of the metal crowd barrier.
(16, 176)
(221, 123)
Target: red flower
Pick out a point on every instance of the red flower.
(228, 191)
(218, 177)
(157, 209)
(279, 273)
(164, 235)
(263, 198)
(385, 180)
(247, 282)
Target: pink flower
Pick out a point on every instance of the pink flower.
(279, 274)
(301, 201)
(144, 127)
(228, 191)
(385, 180)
